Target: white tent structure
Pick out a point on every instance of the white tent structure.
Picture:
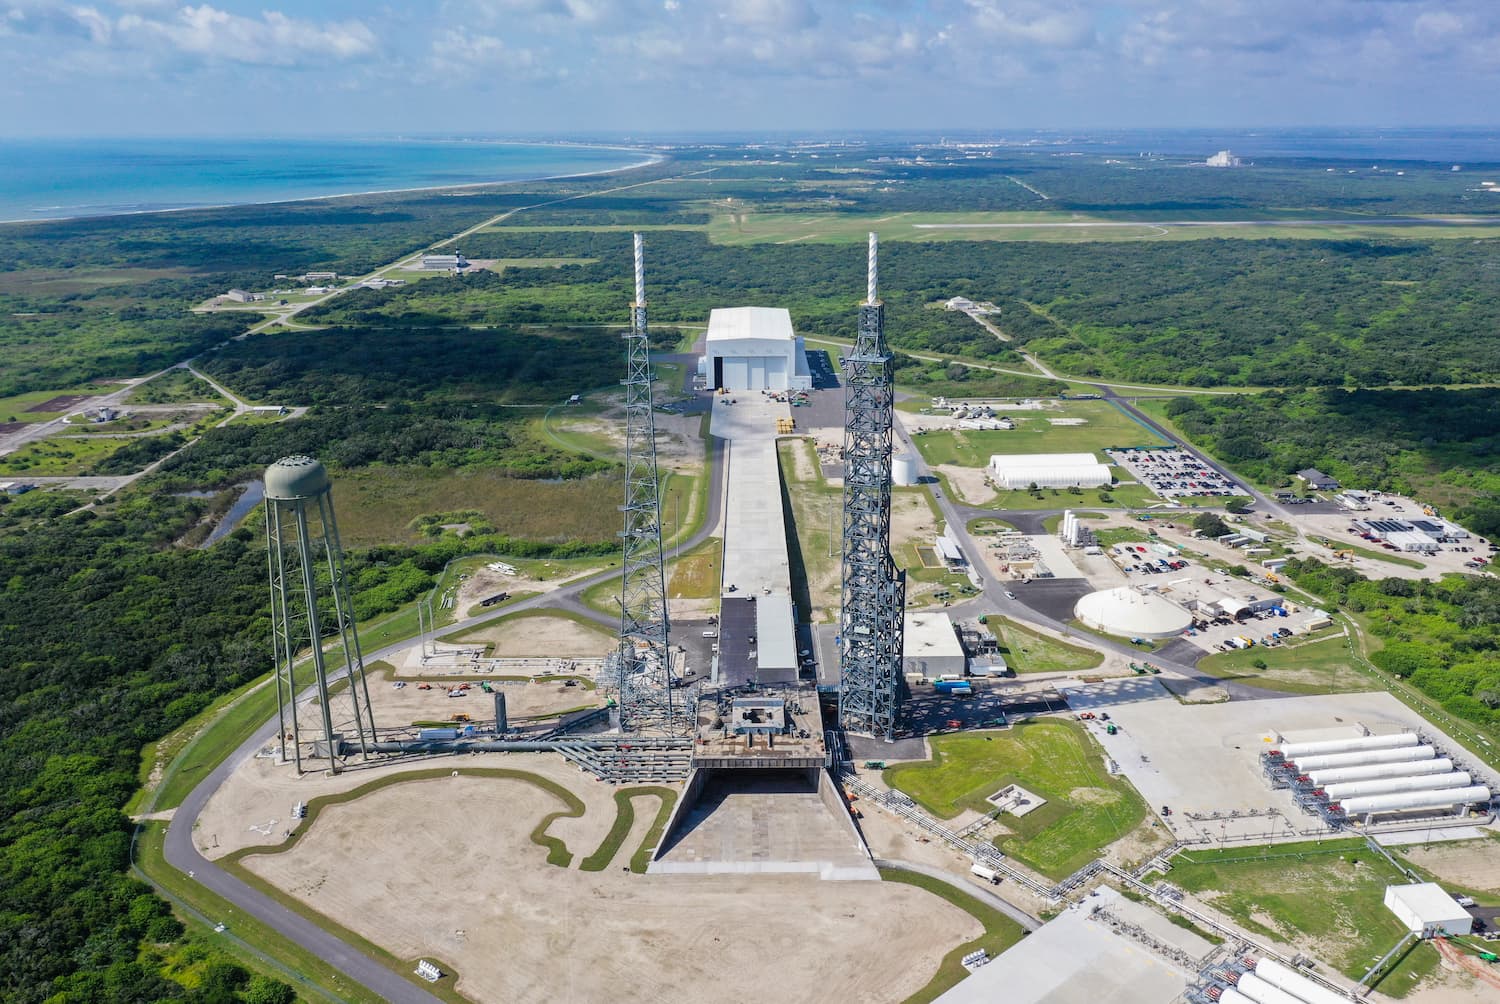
(1132, 614)
(753, 348)
(1425, 908)
(1048, 470)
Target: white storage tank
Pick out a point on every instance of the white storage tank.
(904, 469)
(1337, 775)
(1293, 982)
(1293, 750)
(1410, 801)
(1262, 992)
(1307, 763)
(1389, 785)
(1233, 996)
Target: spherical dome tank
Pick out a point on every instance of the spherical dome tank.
(1124, 611)
(296, 478)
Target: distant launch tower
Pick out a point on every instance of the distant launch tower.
(301, 536)
(644, 657)
(874, 590)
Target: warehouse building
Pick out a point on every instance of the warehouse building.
(1427, 910)
(1048, 470)
(753, 348)
(932, 648)
(1317, 480)
(1412, 540)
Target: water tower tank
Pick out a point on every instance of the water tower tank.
(904, 469)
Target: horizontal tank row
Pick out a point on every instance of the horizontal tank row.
(1338, 775)
(1389, 785)
(1261, 981)
(1360, 759)
(1294, 750)
(1410, 801)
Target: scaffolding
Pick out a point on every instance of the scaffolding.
(642, 665)
(874, 590)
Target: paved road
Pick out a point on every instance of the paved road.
(979, 892)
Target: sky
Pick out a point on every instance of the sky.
(647, 68)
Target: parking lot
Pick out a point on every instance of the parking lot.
(1173, 474)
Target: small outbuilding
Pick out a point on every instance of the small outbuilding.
(932, 647)
(1427, 910)
(1317, 480)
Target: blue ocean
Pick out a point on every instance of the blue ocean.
(50, 179)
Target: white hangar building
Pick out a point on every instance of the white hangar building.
(1048, 470)
(753, 348)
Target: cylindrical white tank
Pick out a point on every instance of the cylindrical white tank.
(1293, 982)
(1233, 996)
(1411, 768)
(1293, 750)
(1410, 800)
(1307, 763)
(1389, 785)
(1261, 992)
(904, 469)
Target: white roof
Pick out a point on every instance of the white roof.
(1126, 612)
(775, 632)
(1403, 537)
(755, 548)
(1427, 901)
(728, 323)
(1005, 461)
(931, 636)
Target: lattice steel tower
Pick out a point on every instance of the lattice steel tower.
(874, 590)
(298, 489)
(645, 657)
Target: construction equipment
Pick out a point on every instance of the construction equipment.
(460, 717)
(874, 765)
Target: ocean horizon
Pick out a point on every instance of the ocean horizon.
(69, 179)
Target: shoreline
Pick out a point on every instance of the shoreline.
(651, 158)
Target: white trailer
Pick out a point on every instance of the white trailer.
(1307, 763)
(1262, 992)
(1410, 801)
(1293, 750)
(1391, 785)
(1293, 982)
(1337, 775)
(988, 874)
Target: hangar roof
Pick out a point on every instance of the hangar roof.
(731, 323)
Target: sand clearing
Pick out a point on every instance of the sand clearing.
(542, 637)
(445, 869)
(970, 484)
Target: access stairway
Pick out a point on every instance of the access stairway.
(629, 759)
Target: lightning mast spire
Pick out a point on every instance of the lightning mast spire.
(874, 590)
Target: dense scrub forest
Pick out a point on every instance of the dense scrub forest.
(1442, 446)
(1444, 637)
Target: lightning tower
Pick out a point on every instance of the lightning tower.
(300, 529)
(644, 661)
(874, 590)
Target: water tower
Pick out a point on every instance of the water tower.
(307, 565)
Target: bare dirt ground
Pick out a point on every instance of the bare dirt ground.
(969, 483)
(542, 637)
(399, 708)
(455, 877)
(484, 582)
(1473, 864)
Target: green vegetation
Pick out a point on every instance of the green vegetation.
(1322, 666)
(61, 455)
(625, 821)
(696, 574)
(1000, 932)
(1437, 445)
(1086, 810)
(1126, 496)
(1027, 651)
(176, 386)
(1328, 893)
(1105, 426)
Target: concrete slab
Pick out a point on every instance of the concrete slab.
(1055, 556)
(1074, 959)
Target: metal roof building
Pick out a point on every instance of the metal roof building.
(1048, 470)
(753, 348)
(932, 646)
(1425, 908)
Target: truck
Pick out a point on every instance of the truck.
(988, 874)
(954, 688)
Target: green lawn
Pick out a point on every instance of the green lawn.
(1027, 651)
(58, 457)
(1000, 932)
(1320, 666)
(1086, 810)
(696, 574)
(1104, 426)
(1325, 895)
(15, 408)
(1115, 496)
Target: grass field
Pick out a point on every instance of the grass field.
(1086, 810)
(850, 228)
(174, 387)
(1000, 932)
(1115, 496)
(695, 575)
(57, 457)
(1326, 895)
(1026, 651)
(1105, 426)
(376, 505)
(1321, 666)
(14, 409)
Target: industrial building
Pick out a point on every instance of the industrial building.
(1317, 480)
(1249, 980)
(1048, 470)
(753, 348)
(1364, 779)
(933, 648)
(1427, 910)
(1132, 613)
(444, 261)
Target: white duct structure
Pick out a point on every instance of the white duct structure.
(1263, 992)
(1411, 801)
(1307, 763)
(1233, 996)
(1390, 785)
(1410, 768)
(1294, 750)
(1288, 979)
